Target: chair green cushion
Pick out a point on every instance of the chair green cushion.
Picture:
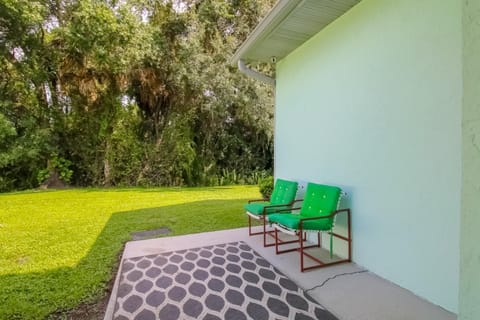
(257, 208)
(320, 200)
(292, 221)
(284, 191)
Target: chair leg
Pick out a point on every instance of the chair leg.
(276, 241)
(249, 225)
(321, 264)
(331, 244)
(279, 242)
(271, 233)
(299, 237)
(300, 240)
(349, 223)
(265, 232)
(250, 232)
(301, 248)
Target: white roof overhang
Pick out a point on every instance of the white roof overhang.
(287, 26)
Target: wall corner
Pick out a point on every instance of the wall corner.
(469, 294)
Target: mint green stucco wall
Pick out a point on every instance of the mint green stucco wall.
(470, 218)
(373, 103)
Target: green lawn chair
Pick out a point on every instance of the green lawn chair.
(317, 214)
(283, 196)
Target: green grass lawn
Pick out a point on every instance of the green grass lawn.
(59, 248)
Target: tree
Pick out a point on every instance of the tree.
(24, 110)
(133, 92)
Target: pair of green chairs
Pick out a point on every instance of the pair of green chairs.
(316, 214)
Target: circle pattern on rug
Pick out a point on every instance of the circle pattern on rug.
(226, 281)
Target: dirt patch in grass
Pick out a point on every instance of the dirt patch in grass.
(88, 311)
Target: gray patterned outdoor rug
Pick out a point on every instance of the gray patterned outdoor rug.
(227, 281)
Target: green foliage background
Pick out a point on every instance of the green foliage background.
(131, 93)
(266, 186)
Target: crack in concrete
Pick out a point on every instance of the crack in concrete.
(335, 276)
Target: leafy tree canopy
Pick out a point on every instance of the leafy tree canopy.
(130, 92)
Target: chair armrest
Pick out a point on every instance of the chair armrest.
(286, 210)
(283, 205)
(258, 200)
(334, 213)
(268, 199)
(277, 206)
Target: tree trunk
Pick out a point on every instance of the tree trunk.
(106, 166)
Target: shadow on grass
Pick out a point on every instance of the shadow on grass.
(36, 295)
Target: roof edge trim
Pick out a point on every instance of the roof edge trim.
(268, 24)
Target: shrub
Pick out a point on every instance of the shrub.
(266, 186)
(58, 168)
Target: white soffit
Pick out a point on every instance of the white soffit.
(287, 26)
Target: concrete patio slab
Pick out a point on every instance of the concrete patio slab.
(346, 290)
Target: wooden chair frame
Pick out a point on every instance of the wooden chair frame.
(262, 217)
(301, 234)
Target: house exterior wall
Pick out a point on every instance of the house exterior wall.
(373, 103)
(470, 218)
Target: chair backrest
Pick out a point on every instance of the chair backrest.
(283, 192)
(320, 200)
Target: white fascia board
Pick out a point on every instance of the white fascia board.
(269, 23)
